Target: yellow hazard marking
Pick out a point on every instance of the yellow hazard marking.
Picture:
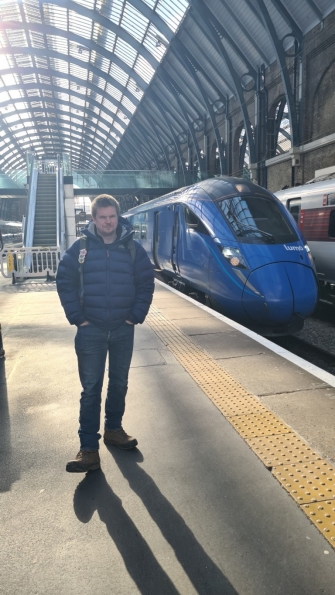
(10, 262)
(308, 478)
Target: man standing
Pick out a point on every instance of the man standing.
(105, 284)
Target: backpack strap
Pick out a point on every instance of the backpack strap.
(132, 250)
(81, 260)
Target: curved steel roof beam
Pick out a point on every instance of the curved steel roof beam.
(140, 141)
(224, 34)
(313, 6)
(147, 139)
(212, 64)
(155, 122)
(175, 140)
(61, 131)
(286, 15)
(73, 142)
(244, 30)
(171, 106)
(153, 17)
(48, 109)
(188, 61)
(95, 16)
(174, 88)
(281, 58)
(133, 154)
(83, 42)
(57, 89)
(185, 92)
(71, 60)
(214, 35)
(158, 133)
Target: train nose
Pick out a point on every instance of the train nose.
(275, 292)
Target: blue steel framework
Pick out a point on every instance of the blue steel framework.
(125, 84)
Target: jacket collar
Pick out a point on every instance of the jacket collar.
(123, 233)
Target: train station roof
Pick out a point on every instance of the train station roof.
(121, 84)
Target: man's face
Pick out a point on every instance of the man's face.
(106, 221)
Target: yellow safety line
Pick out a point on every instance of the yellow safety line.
(308, 478)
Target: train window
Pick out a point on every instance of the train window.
(257, 219)
(143, 231)
(294, 207)
(136, 227)
(331, 199)
(331, 228)
(190, 218)
(194, 222)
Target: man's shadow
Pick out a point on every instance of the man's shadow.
(93, 493)
(9, 471)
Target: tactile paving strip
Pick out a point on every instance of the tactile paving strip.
(308, 478)
(308, 482)
(282, 450)
(322, 514)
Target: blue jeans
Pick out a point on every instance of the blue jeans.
(92, 345)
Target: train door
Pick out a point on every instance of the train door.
(156, 239)
(193, 253)
(294, 207)
(175, 242)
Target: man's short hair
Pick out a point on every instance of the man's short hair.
(104, 200)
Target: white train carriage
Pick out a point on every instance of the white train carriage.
(313, 208)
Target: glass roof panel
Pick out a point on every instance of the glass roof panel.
(58, 62)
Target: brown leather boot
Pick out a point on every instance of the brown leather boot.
(119, 438)
(86, 460)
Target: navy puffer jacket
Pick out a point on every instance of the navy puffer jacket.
(115, 288)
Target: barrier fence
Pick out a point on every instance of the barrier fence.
(25, 263)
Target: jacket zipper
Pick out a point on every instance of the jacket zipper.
(108, 286)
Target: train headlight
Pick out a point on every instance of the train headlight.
(309, 254)
(234, 256)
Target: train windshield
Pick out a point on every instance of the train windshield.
(257, 220)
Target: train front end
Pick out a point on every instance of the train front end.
(269, 259)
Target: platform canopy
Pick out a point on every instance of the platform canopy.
(124, 84)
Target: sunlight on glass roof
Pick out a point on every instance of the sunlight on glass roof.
(71, 78)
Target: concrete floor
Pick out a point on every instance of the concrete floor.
(192, 510)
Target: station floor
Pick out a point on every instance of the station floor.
(199, 507)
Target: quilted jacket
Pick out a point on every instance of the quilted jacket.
(115, 288)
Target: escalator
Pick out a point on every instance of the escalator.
(45, 222)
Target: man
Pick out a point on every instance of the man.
(105, 284)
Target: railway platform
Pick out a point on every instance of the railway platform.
(230, 491)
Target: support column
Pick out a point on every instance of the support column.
(70, 219)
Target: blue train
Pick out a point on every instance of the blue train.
(235, 243)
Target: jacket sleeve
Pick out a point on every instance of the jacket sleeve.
(68, 285)
(144, 283)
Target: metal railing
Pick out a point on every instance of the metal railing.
(28, 232)
(60, 213)
(23, 263)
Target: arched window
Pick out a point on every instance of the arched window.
(244, 155)
(280, 135)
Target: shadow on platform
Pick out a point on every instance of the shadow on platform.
(8, 471)
(94, 493)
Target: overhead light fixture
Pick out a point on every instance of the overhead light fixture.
(161, 41)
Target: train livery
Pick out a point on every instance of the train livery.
(235, 243)
(313, 208)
